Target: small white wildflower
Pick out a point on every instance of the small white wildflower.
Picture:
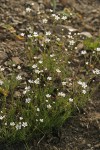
(61, 94)
(87, 63)
(28, 9)
(30, 81)
(19, 67)
(49, 106)
(12, 124)
(84, 85)
(52, 55)
(38, 109)
(48, 33)
(98, 49)
(45, 20)
(96, 71)
(5, 123)
(79, 82)
(58, 39)
(22, 34)
(37, 71)
(19, 77)
(48, 95)
(35, 34)
(64, 18)
(40, 61)
(37, 81)
(34, 66)
(27, 100)
(83, 52)
(72, 42)
(2, 117)
(18, 126)
(1, 68)
(21, 118)
(57, 70)
(24, 124)
(29, 36)
(70, 100)
(46, 101)
(57, 17)
(41, 120)
(84, 91)
(47, 40)
(63, 83)
(49, 78)
(1, 82)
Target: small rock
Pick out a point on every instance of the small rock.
(87, 34)
(3, 56)
(16, 60)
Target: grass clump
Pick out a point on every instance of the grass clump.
(42, 93)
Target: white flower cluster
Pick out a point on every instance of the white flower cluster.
(96, 71)
(61, 94)
(84, 86)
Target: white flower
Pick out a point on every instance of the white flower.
(72, 42)
(27, 89)
(22, 34)
(64, 18)
(41, 120)
(19, 77)
(29, 35)
(30, 81)
(38, 109)
(1, 82)
(57, 70)
(18, 126)
(84, 85)
(27, 100)
(48, 33)
(63, 83)
(96, 71)
(49, 78)
(37, 71)
(84, 91)
(79, 82)
(35, 34)
(57, 17)
(48, 95)
(52, 55)
(28, 9)
(98, 49)
(40, 61)
(24, 124)
(70, 100)
(61, 94)
(34, 66)
(49, 106)
(19, 67)
(2, 69)
(87, 63)
(45, 20)
(47, 40)
(12, 124)
(2, 117)
(58, 39)
(21, 118)
(83, 52)
(37, 81)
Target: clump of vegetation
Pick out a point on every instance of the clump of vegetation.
(42, 94)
